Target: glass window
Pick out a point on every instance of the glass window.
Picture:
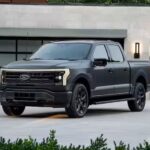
(100, 52)
(23, 56)
(115, 53)
(64, 51)
(27, 47)
(7, 45)
(7, 51)
(47, 41)
(6, 59)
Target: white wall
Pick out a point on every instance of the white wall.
(135, 19)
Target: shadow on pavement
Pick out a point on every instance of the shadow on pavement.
(105, 111)
(62, 115)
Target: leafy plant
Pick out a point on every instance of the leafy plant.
(133, 2)
(51, 143)
(121, 146)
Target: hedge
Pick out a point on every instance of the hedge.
(51, 143)
(115, 2)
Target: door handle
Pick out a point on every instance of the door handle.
(110, 70)
(125, 69)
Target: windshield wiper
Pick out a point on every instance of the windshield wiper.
(65, 59)
(36, 58)
(59, 59)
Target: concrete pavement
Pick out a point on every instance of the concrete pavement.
(115, 121)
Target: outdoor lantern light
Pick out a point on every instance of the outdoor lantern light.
(137, 50)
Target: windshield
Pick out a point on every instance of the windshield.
(64, 51)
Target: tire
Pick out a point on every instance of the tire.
(140, 98)
(13, 110)
(79, 102)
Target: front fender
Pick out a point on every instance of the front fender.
(80, 76)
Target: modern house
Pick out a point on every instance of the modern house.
(24, 28)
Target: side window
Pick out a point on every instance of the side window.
(100, 52)
(116, 53)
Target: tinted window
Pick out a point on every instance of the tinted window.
(64, 51)
(115, 53)
(100, 52)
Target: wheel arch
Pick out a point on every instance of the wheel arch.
(82, 79)
(142, 80)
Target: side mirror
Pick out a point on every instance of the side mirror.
(100, 62)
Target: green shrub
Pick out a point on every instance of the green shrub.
(51, 143)
(121, 2)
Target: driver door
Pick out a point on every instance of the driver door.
(104, 77)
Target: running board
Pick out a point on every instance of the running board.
(116, 100)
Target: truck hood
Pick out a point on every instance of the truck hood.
(43, 64)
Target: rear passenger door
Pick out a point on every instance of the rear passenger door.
(120, 68)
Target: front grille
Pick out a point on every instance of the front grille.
(29, 78)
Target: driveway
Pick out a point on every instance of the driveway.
(115, 121)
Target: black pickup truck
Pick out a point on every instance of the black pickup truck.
(74, 75)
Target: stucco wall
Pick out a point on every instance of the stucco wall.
(135, 19)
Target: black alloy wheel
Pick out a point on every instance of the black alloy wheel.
(79, 103)
(140, 98)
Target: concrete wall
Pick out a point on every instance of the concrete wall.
(135, 19)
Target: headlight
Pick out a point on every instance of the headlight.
(62, 76)
(58, 78)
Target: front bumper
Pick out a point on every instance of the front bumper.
(35, 97)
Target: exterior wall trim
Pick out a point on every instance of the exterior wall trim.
(75, 33)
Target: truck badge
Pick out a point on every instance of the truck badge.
(24, 77)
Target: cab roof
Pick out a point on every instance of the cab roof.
(87, 41)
